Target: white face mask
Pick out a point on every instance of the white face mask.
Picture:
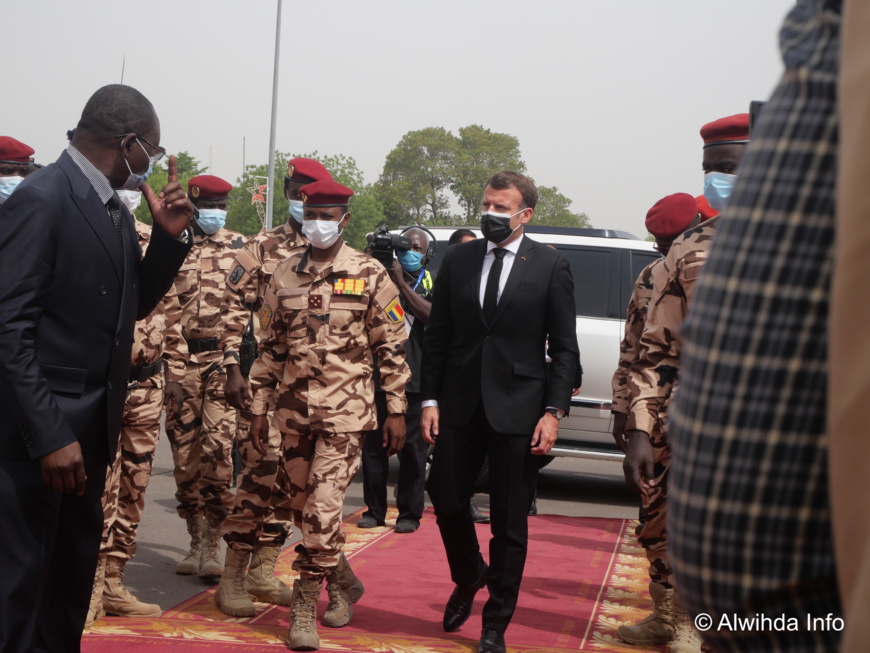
(7, 185)
(130, 198)
(322, 233)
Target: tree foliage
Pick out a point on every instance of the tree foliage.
(553, 210)
(416, 174)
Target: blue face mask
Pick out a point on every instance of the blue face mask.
(211, 220)
(296, 210)
(7, 185)
(410, 260)
(134, 181)
(718, 187)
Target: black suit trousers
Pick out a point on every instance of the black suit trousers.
(48, 557)
(412, 465)
(459, 456)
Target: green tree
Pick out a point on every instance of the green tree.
(554, 210)
(186, 166)
(416, 175)
(480, 154)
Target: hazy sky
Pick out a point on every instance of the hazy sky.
(606, 97)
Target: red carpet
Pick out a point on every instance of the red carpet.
(584, 577)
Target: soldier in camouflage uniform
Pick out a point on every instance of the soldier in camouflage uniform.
(260, 520)
(652, 382)
(127, 479)
(327, 311)
(202, 436)
(666, 220)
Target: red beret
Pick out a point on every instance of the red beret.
(307, 171)
(670, 216)
(208, 187)
(14, 151)
(733, 129)
(705, 209)
(325, 193)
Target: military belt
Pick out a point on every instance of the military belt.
(199, 345)
(145, 372)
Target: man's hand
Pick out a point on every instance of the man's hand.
(397, 273)
(173, 397)
(576, 391)
(394, 433)
(429, 423)
(236, 390)
(545, 434)
(259, 433)
(63, 470)
(619, 421)
(638, 463)
(171, 209)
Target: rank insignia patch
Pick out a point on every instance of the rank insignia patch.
(394, 312)
(348, 286)
(265, 316)
(315, 301)
(236, 274)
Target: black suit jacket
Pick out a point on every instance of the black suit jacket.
(466, 360)
(70, 293)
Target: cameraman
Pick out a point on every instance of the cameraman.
(408, 272)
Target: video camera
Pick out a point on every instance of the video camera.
(382, 244)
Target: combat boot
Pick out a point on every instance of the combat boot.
(211, 566)
(189, 564)
(231, 596)
(686, 638)
(261, 583)
(95, 607)
(302, 635)
(344, 589)
(118, 600)
(657, 628)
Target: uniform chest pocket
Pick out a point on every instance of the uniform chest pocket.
(293, 313)
(347, 314)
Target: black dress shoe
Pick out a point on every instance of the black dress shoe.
(477, 516)
(533, 507)
(459, 604)
(491, 641)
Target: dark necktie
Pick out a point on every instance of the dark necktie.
(117, 213)
(490, 295)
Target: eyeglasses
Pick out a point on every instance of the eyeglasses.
(11, 169)
(160, 152)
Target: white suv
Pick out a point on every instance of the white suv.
(605, 264)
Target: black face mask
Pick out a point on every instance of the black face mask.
(496, 227)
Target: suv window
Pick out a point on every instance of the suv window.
(594, 269)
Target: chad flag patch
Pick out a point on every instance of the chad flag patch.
(348, 286)
(394, 312)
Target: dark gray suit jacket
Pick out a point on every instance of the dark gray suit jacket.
(70, 293)
(466, 360)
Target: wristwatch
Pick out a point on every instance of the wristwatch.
(556, 412)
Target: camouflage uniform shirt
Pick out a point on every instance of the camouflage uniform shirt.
(247, 282)
(321, 325)
(635, 319)
(653, 375)
(196, 296)
(149, 334)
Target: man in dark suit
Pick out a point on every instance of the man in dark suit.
(487, 391)
(73, 284)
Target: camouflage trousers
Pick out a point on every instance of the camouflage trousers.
(320, 467)
(202, 443)
(261, 513)
(127, 478)
(654, 535)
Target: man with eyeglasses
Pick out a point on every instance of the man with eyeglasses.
(260, 520)
(201, 430)
(74, 284)
(15, 165)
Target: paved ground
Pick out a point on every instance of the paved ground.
(568, 486)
